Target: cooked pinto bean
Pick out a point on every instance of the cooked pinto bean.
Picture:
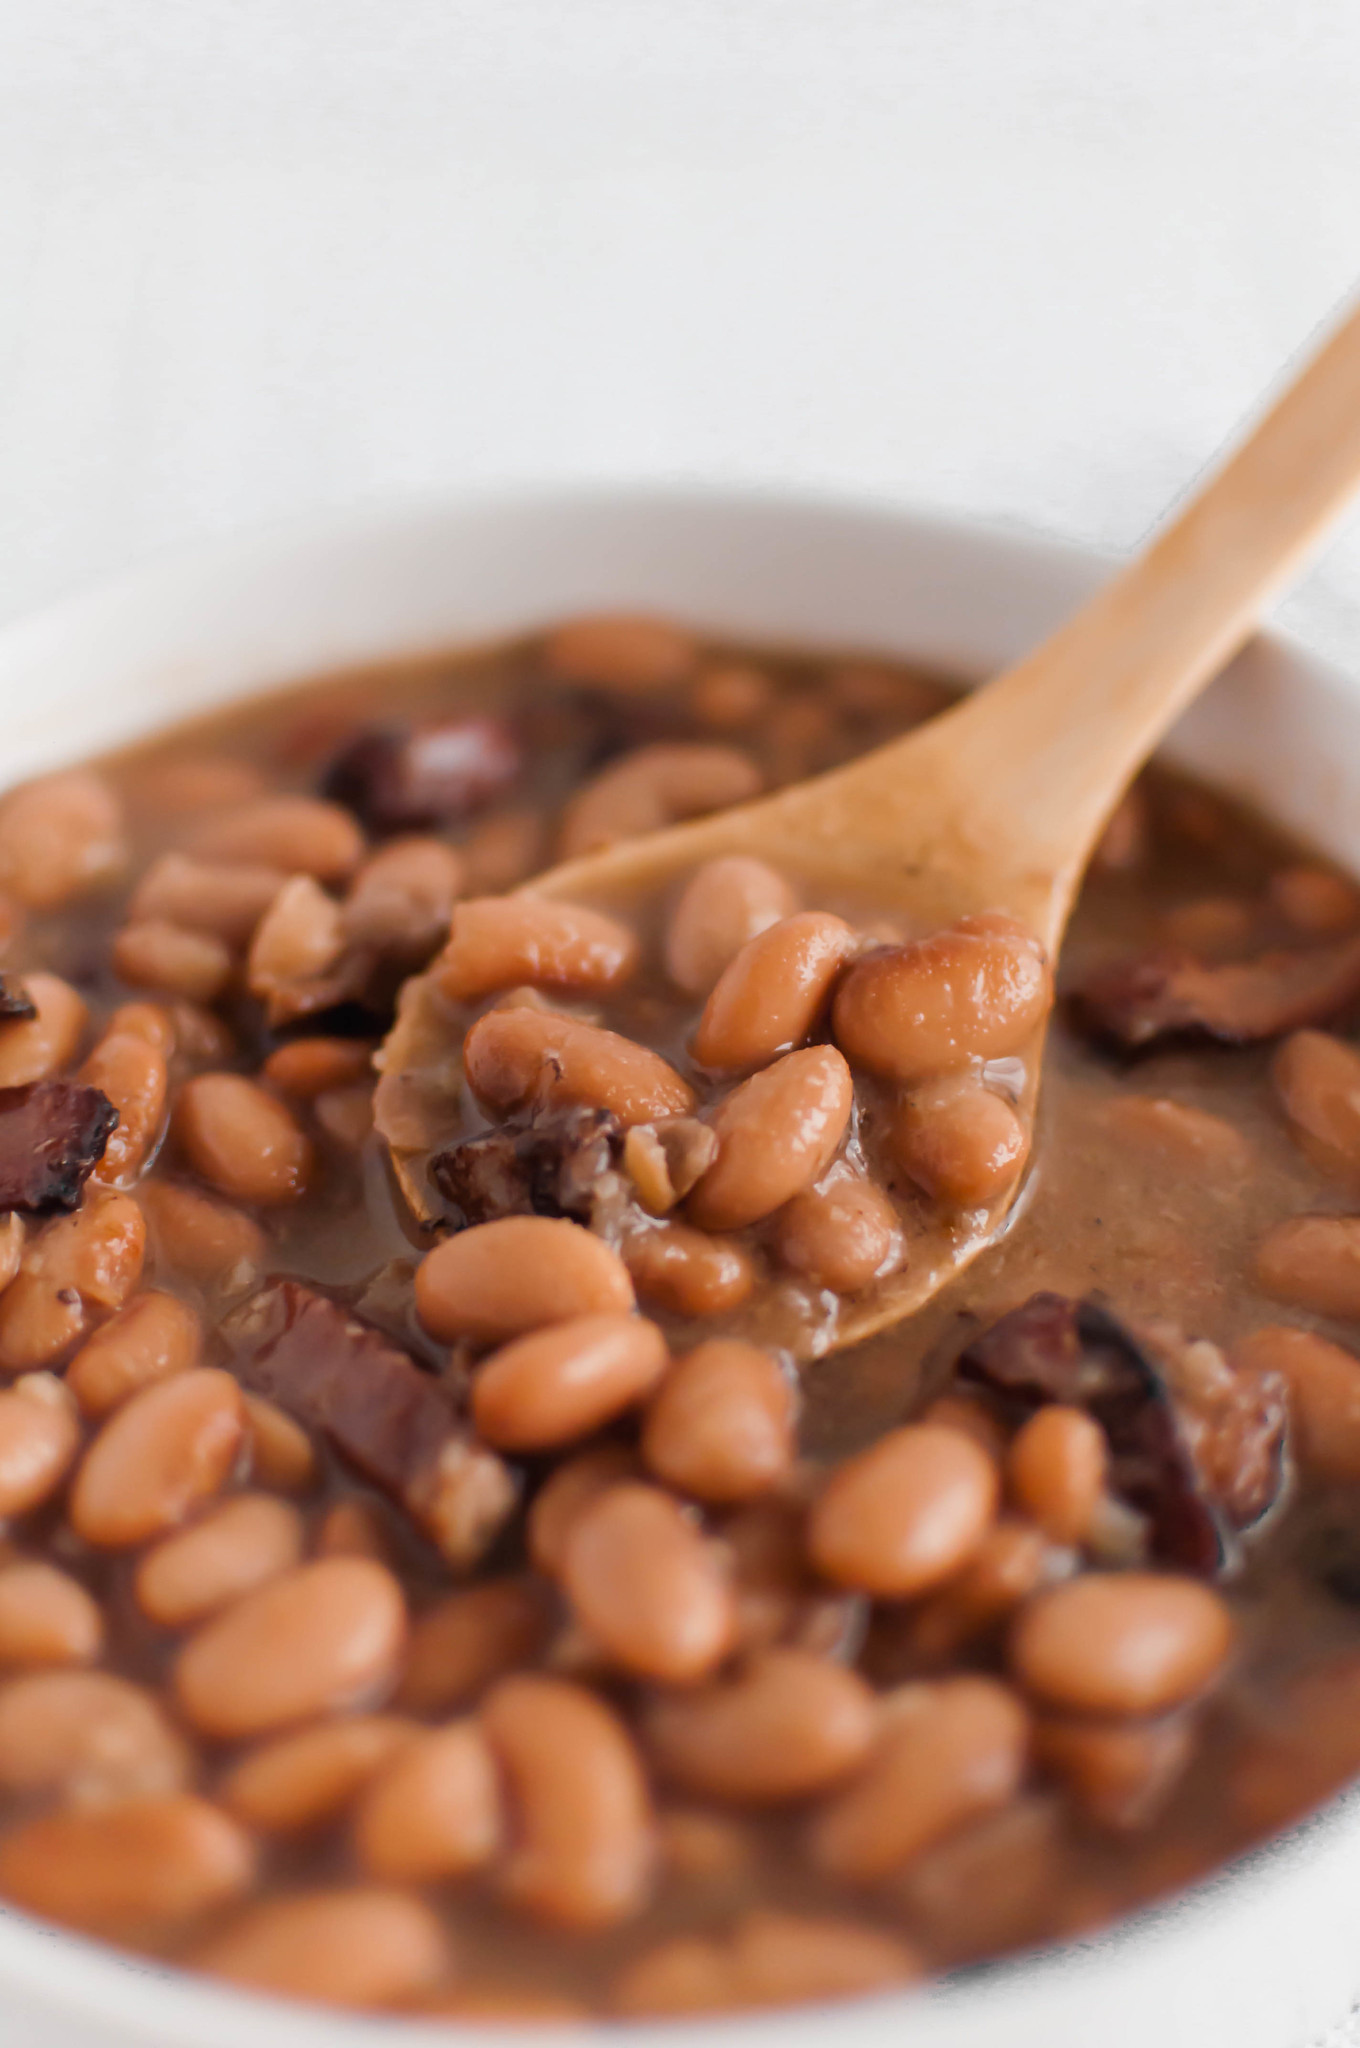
(559, 1384)
(296, 1782)
(281, 1453)
(61, 837)
(472, 1637)
(1324, 1396)
(978, 991)
(87, 1737)
(498, 942)
(46, 1617)
(361, 1946)
(582, 1850)
(653, 787)
(154, 1336)
(787, 1726)
(139, 1868)
(77, 1270)
(164, 1451)
(242, 1140)
(1012, 1561)
(725, 904)
(1056, 1470)
(1311, 1260)
(958, 1140)
(1179, 1132)
(514, 1057)
(520, 1274)
(647, 1586)
(620, 651)
(768, 999)
(948, 1751)
(402, 898)
(840, 1234)
(1119, 1772)
(132, 1073)
(688, 1272)
(722, 1426)
(433, 1810)
(1315, 900)
(172, 960)
(772, 1959)
(777, 1134)
(232, 1549)
(307, 1067)
(197, 896)
(297, 940)
(1121, 1642)
(905, 1514)
(39, 1438)
(201, 1238)
(1317, 1078)
(32, 1048)
(295, 834)
(572, 1487)
(318, 1639)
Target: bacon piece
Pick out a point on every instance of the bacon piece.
(52, 1136)
(399, 778)
(1134, 1004)
(550, 1166)
(398, 1424)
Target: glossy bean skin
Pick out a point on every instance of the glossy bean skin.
(132, 1073)
(511, 1056)
(61, 838)
(688, 1272)
(297, 835)
(723, 1424)
(646, 1585)
(86, 1737)
(840, 1234)
(1121, 1643)
(298, 1782)
(76, 1271)
(787, 1726)
(560, 1384)
(170, 1447)
(949, 1750)
(433, 1811)
(1317, 1080)
(155, 1336)
(360, 1946)
(1313, 1261)
(321, 1638)
(1055, 1470)
(46, 1618)
(768, 999)
(306, 1067)
(652, 787)
(469, 1639)
(504, 1279)
(725, 904)
(977, 991)
(582, 1848)
(962, 1143)
(1324, 1396)
(498, 942)
(902, 1516)
(139, 1868)
(777, 1134)
(201, 1238)
(172, 960)
(39, 1439)
(242, 1140)
(227, 1552)
(33, 1048)
(227, 901)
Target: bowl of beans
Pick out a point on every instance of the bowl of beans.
(453, 1574)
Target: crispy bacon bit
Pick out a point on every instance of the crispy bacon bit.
(397, 1423)
(1196, 1447)
(1134, 1004)
(52, 1136)
(553, 1165)
(15, 1002)
(399, 778)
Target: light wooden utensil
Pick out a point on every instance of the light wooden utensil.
(997, 803)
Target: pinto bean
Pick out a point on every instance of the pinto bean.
(232, 1549)
(652, 787)
(570, 1488)
(198, 896)
(469, 1639)
(777, 1134)
(582, 1848)
(1315, 900)
(281, 1453)
(559, 1384)
(1179, 1132)
(132, 1073)
(1317, 1078)
(512, 1057)
(172, 960)
(1324, 1396)
(46, 1617)
(626, 651)
(307, 1067)
(725, 904)
(201, 1238)
(723, 1424)
(1121, 1642)
(949, 1750)
(61, 837)
(788, 1725)
(299, 938)
(730, 696)
(959, 1141)
(840, 1234)
(1012, 1561)
(646, 1585)
(771, 1959)
(318, 1639)
(1056, 1470)
(154, 1336)
(433, 1811)
(139, 1868)
(768, 999)
(87, 1737)
(978, 991)
(297, 1782)
(39, 1438)
(1119, 1773)
(518, 1274)
(242, 1140)
(78, 1269)
(360, 1946)
(298, 835)
(687, 1272)
(498, 942)
(1311, 1260)
(402, 898)
(905, 1514)
(171, 1446)
(504, 850)
(34, 1048)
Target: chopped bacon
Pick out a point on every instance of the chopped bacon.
(52, 1136)
(401, 778)
(1133, 1004)
(550, 1166)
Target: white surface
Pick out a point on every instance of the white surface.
(1265, 1955)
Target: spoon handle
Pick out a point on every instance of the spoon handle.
(1054, 740)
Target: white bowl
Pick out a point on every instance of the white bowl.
(1266, 1954)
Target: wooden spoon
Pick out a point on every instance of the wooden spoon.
(997, 803)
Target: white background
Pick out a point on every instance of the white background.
(1029, 259)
